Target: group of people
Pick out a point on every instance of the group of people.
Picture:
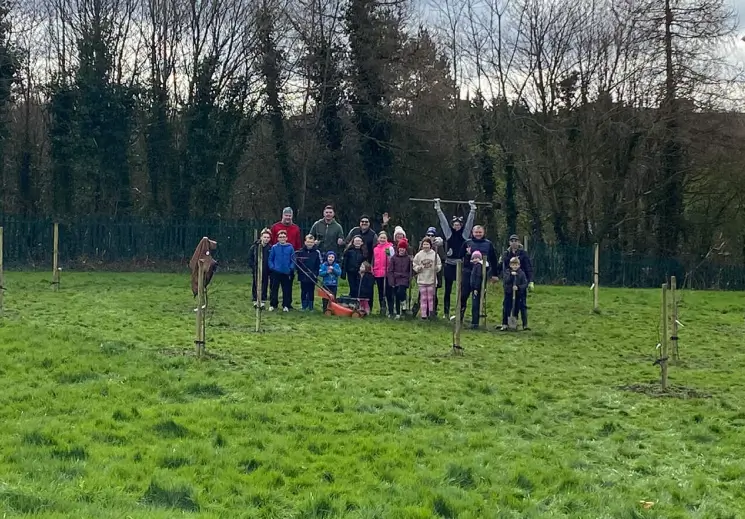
(385, 261)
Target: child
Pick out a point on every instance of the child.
(477, 279)
(354, 255)
(399, 275)
(253, 263)
(367, 283)
(308, 260)
(426, 265)
(282, 266)
(329, 273)
(516, 282)
(381, 255)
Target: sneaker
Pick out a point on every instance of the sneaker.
(263, 306)
(271, 308)
(474, 327)
(285, 309)
(390, 316)
(503, 328)
(526, 329)
(256, 305)
(398, 317)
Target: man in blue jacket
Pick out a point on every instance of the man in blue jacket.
(282, 267)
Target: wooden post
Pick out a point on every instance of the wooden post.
(259, 278)
(595, 281)
(201, 311)
(482, 298)
(663, 346)
(2, 277)
(457, 348)
(55, 259)
(525, 243)
(674, 324)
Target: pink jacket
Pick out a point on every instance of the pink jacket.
(381, 254)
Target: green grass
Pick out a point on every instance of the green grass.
(107, 414)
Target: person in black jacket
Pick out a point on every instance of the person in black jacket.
(366, 289)
(354, 255)
(308, 261)
(476, 282)
(368, 235)
(515, 281)
(516, 250)
(488, 254)
(456, 234)
(253, 263)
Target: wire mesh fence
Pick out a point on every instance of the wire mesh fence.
(166, 244)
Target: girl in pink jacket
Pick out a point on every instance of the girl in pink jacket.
(381, 255)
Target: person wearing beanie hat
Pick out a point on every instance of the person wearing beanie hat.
(294, 234)
(329, 274)
(456, 234)
(398, 234)
(368, 235)
(516, 250)
(399, 275)
(426, 266)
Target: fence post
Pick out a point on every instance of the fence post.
(525, 243)
(55, 259)
(595, 281)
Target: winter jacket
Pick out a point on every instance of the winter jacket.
(522, 255)
(399, 271)
(426, 266)
(329, 279)
(488, 252)
(519, 279)
(327, 235)
(253, 257)
(367, 281)
(381, 257)
(477, 277)
(454, 240)
(369, 238)
(352, 260)
(294, 235)
(308, 263)
(280, 258)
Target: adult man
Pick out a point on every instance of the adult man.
(328, 233)
(488, 253)
(294, 235)
(516, 250)
(455, 234)
(369, 237)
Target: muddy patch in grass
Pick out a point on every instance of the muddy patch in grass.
(656, 391)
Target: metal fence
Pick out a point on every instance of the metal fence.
(124, 244)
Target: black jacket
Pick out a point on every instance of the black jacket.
(253, 257)
(369, 238)
(352, 260)
(525, 264)
(477, 278)
(488, 252)
(366, 286)
(308, 264)
(519, 279)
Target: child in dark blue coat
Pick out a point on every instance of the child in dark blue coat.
(282, 266)
(329, 273)
(367, 284)
(308, 261)
(515, 282)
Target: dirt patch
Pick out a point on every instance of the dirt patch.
(656, 391)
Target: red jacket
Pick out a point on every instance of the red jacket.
(294, 235)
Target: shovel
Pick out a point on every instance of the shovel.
(512, 319)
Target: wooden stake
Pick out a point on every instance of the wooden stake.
(457, 349)
(201, 311)
(674, 325)
(259, 277)
(595, 280)
(663, 347)
(55, 259)
(2, 277)
(525, 243)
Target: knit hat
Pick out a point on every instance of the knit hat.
(476, 255)
(287, 210)
(403, 244)
(431, 231)
(330, 254)
(399, 230)
(514, 237)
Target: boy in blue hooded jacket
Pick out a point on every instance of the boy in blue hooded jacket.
(282, 267)
(329, 274)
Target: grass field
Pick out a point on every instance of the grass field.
(107, 414)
